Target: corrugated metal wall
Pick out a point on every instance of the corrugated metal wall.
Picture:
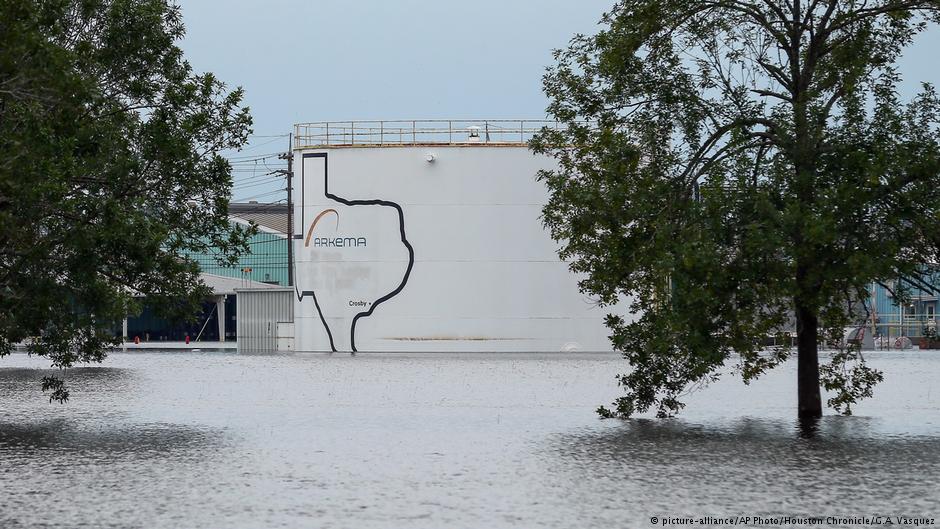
(259, 311)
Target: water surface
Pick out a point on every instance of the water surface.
(189, 439)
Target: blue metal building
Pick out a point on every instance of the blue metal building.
(912, 318)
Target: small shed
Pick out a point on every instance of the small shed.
(260, 313)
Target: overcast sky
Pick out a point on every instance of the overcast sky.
(321, 60)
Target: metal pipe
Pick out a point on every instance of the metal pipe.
(209, 317)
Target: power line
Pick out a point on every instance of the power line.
(270, 176)
(250, 163)
(251, 157)
(245, 199)
(276, 138)
(257, 183)
(264, 208)
(259, 175)
(254, 184)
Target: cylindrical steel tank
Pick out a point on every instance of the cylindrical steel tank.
(433, 245)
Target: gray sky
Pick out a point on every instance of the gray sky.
(383, 59)
(398, 59)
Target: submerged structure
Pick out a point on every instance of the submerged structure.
(914, 317)
(264, 269)
(426, 236)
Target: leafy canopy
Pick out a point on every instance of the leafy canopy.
(110, 166)
(727, 165)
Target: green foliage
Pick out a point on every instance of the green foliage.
(849, 378)
(110, 167)
(728, 167)
(930, 333)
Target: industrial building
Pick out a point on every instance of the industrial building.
(267, 262)
(407, 236)
(426, 236)
(265, 268)
(420, 236)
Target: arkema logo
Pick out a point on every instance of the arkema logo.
(332, 307)
(331, 242)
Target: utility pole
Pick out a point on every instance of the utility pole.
(290, 209)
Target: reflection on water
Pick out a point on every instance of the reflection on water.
(146, 440)
(224, 440)
(76, 375)
(752, 466)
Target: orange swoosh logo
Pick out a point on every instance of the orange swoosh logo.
(316, 220)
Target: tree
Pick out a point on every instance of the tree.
(110, 166)
(729, 165)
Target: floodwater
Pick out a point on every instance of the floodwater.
(190, 439)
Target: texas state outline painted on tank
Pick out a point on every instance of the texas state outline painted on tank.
(312, 241)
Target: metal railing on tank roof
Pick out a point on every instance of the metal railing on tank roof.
(419, 132)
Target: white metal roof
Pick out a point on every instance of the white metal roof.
(222, 285)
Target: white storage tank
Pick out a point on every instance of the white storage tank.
(426, 236)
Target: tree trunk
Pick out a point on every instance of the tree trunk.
(807, 367)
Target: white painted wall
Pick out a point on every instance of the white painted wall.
(485, 274)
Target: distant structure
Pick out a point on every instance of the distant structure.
(267, 262)
(892, 319)
(265, 267)
(426, 236)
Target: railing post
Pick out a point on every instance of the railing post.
(414, 133)
(381, 133)
(327, 132)
(450, 131)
